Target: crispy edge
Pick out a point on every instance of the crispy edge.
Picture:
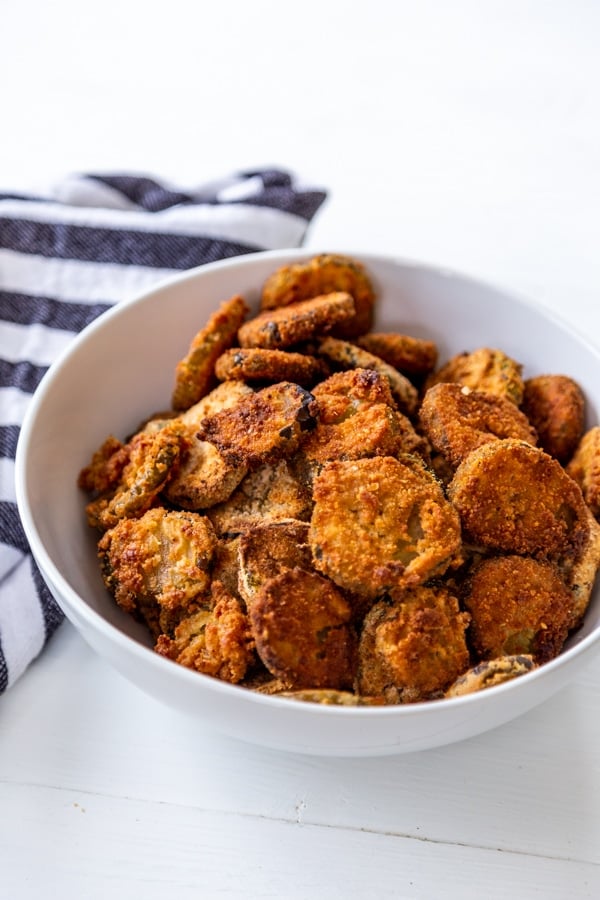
(305, 320)
(194, 374)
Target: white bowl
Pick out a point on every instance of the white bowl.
(120, 369)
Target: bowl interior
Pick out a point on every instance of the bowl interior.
(121, 369)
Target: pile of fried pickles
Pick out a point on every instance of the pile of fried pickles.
(328, 514)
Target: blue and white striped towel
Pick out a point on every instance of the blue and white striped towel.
(67, 256)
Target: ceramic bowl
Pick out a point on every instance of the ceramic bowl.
(120, 369)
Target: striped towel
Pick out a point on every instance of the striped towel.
(66, 257)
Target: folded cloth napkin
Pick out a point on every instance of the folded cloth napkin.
(65, 257)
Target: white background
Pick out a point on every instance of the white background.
(461, 133)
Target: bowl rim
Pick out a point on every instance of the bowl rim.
(76, 606)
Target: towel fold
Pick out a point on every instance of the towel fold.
(66, 257)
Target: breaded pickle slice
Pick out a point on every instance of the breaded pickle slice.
(262, 427)
(349, 356)
(301, 625)
(163, 557)
(412, 648)
(323, 274)
(382, 524)
(457, 420)
(255, 364)
(194, 374)
(271, 492)
(204, 477)
(223, 396)
(152, 458)
(331, 698)
(516, 498)
(411, 355)
(584, 467)
(555, 406)
(105, 469)
(216, 641)
(484, 369)
(303, 321)
(269, 549)
(357, 418)
(518, 605)
(489, 673)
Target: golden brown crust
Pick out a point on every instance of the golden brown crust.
(263, 427)
(413, 648)
(457, 420)
(194, 374)
(326, 697)
(303, 321)
(555, 406)
(349, 356)
(217, 641)
(164, 557)
(516, 498)
(153, 458)
(301, 625)
(255, 364)
(204, 477)
(381, 524)
(489, 673)
(484, 369)
(584, 467)
(270, 493)
(323, 274)
(105, 469)
(518, 605)
(411, 355)
(269, 549)
(357, 418)
(222, 397)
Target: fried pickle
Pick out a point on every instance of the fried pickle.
(255, 364)
(105, 469)
(413, 648)
(194, 374)
(306, 320)
(152, 458)
(301, 625)
(349, 356)
(204, 477)
(217, 641)
(485, 369)
(410, 355)
(357, 418)
(381, 524)
(518, 605)
(516, 498)
(584, 467)
(162, 558)
(555, 406)
(457, 419)
(489, 673)
(262, 427)
(326, 697)
(222, 397)
(270, 493)
(321, 275)
(269, 549)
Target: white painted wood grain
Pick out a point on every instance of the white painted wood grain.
(93, 846)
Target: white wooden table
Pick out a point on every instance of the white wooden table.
(462, 133)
